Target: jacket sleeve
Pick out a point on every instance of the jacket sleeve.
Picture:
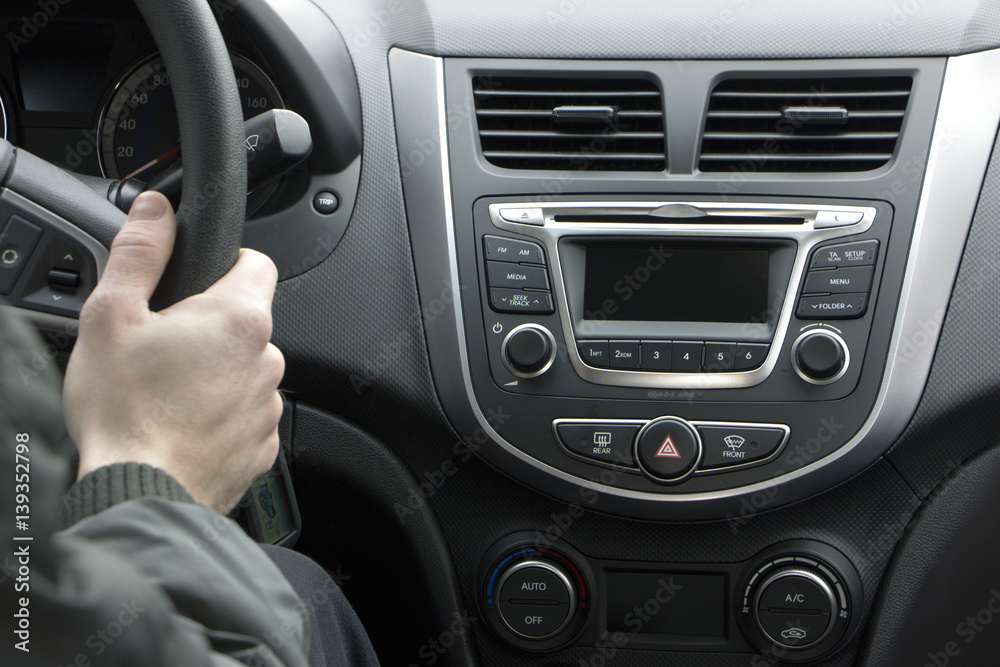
(143, 576)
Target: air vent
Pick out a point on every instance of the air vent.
(828, 124)
(571, 123)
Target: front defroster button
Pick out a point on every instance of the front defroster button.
(734, 445)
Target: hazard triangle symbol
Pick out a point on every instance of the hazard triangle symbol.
(667, 450)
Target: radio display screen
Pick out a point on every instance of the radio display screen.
(656, 283)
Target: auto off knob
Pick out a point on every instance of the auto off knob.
(535, 599)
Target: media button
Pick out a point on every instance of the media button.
(685, 356)
(593, 352)
(624, 354)
(516, 276)
(655, 355)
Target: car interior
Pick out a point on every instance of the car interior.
(617, 333)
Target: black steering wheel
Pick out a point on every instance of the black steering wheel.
(213, 205)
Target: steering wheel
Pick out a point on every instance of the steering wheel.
(213, 205)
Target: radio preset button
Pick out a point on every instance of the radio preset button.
(516, 301)
(719, 357)
(624, 354)
(685, 356)
(840, 281)
(513, 250)
(655, 355)
(750, 356)
(735, 445)
(668, 449)
(834, 307)
(604, 442)
(516, 276)
(593, 352)
(859, 253)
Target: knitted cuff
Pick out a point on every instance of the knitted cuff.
(118, 483)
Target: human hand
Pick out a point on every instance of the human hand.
(191, 389)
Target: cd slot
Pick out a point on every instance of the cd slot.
(722, 219)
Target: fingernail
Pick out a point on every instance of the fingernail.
(148, 206)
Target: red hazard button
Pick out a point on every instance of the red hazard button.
(668, 449)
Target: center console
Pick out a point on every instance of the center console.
(641, 332)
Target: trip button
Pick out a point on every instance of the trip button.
(515, 276)
(725, 446)
(834, 307)
(624, 354)
(516, 301)
(840, 281)
(604, 442)
(17, 242)
(859, 253)
(513, 250)
(593, 352)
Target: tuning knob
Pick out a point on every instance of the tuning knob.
(528, 350)
(820, 357)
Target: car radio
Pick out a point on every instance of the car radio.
(677, 295)
(675, 345)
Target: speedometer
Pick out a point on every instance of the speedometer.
(140, 136)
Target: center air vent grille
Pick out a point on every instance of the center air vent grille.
(571, 123)
(828, 124)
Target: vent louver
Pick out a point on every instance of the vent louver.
(821, 124)
(571, 123)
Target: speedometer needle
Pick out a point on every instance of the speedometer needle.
(154, 162)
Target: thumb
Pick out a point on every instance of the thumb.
(139, 253)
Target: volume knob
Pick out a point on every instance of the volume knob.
(528, 350)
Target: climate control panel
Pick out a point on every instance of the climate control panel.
(793, 603)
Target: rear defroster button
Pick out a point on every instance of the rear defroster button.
(668, 450)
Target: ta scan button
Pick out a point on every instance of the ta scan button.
(668, 449)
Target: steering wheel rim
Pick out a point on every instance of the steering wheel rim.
(213, 205)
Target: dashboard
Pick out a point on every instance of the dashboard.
(634, 334)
